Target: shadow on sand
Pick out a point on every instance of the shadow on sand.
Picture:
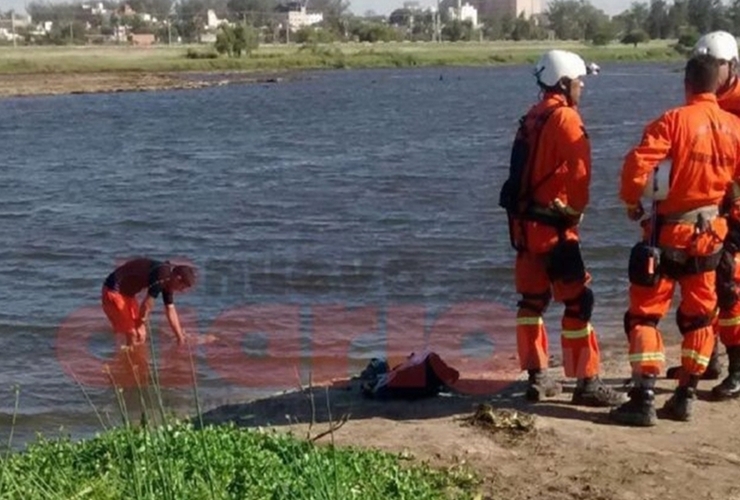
(344, 399)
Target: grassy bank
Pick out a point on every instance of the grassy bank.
(162, 458)
(179, 462)
(293, 57)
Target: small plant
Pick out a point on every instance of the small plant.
(688, 39)
(498, 58)
(602, 38)
(401, 60)
(686, 42)
(197, 54)
(635, 37)
(319, 50)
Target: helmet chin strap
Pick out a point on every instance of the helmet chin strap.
(561, 87)
(731, 79)
(727, 85)
(565, 89)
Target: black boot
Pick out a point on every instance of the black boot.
(730, 386)
(713, 371)
(541, 386)
(679, 406)
(593, 392)
(640, 409)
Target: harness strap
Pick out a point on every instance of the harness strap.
(705, 214)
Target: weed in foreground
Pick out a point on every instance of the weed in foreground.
(163, 458)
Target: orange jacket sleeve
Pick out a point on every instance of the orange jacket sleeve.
(736, 176)
(730, 99)
(654, 148)
(576, 150)
(733, 190)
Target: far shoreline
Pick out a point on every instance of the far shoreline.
(39, 71)
(39, 84)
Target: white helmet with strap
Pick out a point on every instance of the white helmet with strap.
(557, 64)
(718, 44)
(659, 181)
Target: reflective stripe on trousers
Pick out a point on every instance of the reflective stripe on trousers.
(531, 341)
(578, 334)
(695, 356)
(728, 326)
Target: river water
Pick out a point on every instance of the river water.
(332, 218)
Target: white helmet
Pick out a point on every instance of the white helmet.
(659, 181)
(557, 64)
(718, 44)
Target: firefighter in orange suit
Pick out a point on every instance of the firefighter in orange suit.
(703, 143)
(543, 221)
(723, 47)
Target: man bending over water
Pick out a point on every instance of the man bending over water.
(123, 285)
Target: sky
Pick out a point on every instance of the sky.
(379, 6)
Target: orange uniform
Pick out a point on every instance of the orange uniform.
(559, 176)
(728, 276)
(704, 143)
(729, 100)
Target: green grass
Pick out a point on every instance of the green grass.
(178, 462)
(166, 459)
(89, 59)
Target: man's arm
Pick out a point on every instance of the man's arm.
(174, 320)
(145, 310)
(141, 322)
(643, 159)
(576, 149)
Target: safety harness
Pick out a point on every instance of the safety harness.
(678, 261)
(523, 208)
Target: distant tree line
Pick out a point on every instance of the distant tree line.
(563, 20)
(580, 20)
(657, 19)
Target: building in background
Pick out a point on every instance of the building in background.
(503, 7)
(517, 7)
(466, 12)
(296, 16)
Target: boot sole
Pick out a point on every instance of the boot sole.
(723, 396)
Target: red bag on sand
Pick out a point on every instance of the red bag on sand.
(419, 376)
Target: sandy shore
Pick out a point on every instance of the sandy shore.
(572, 452)
(19, 85)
